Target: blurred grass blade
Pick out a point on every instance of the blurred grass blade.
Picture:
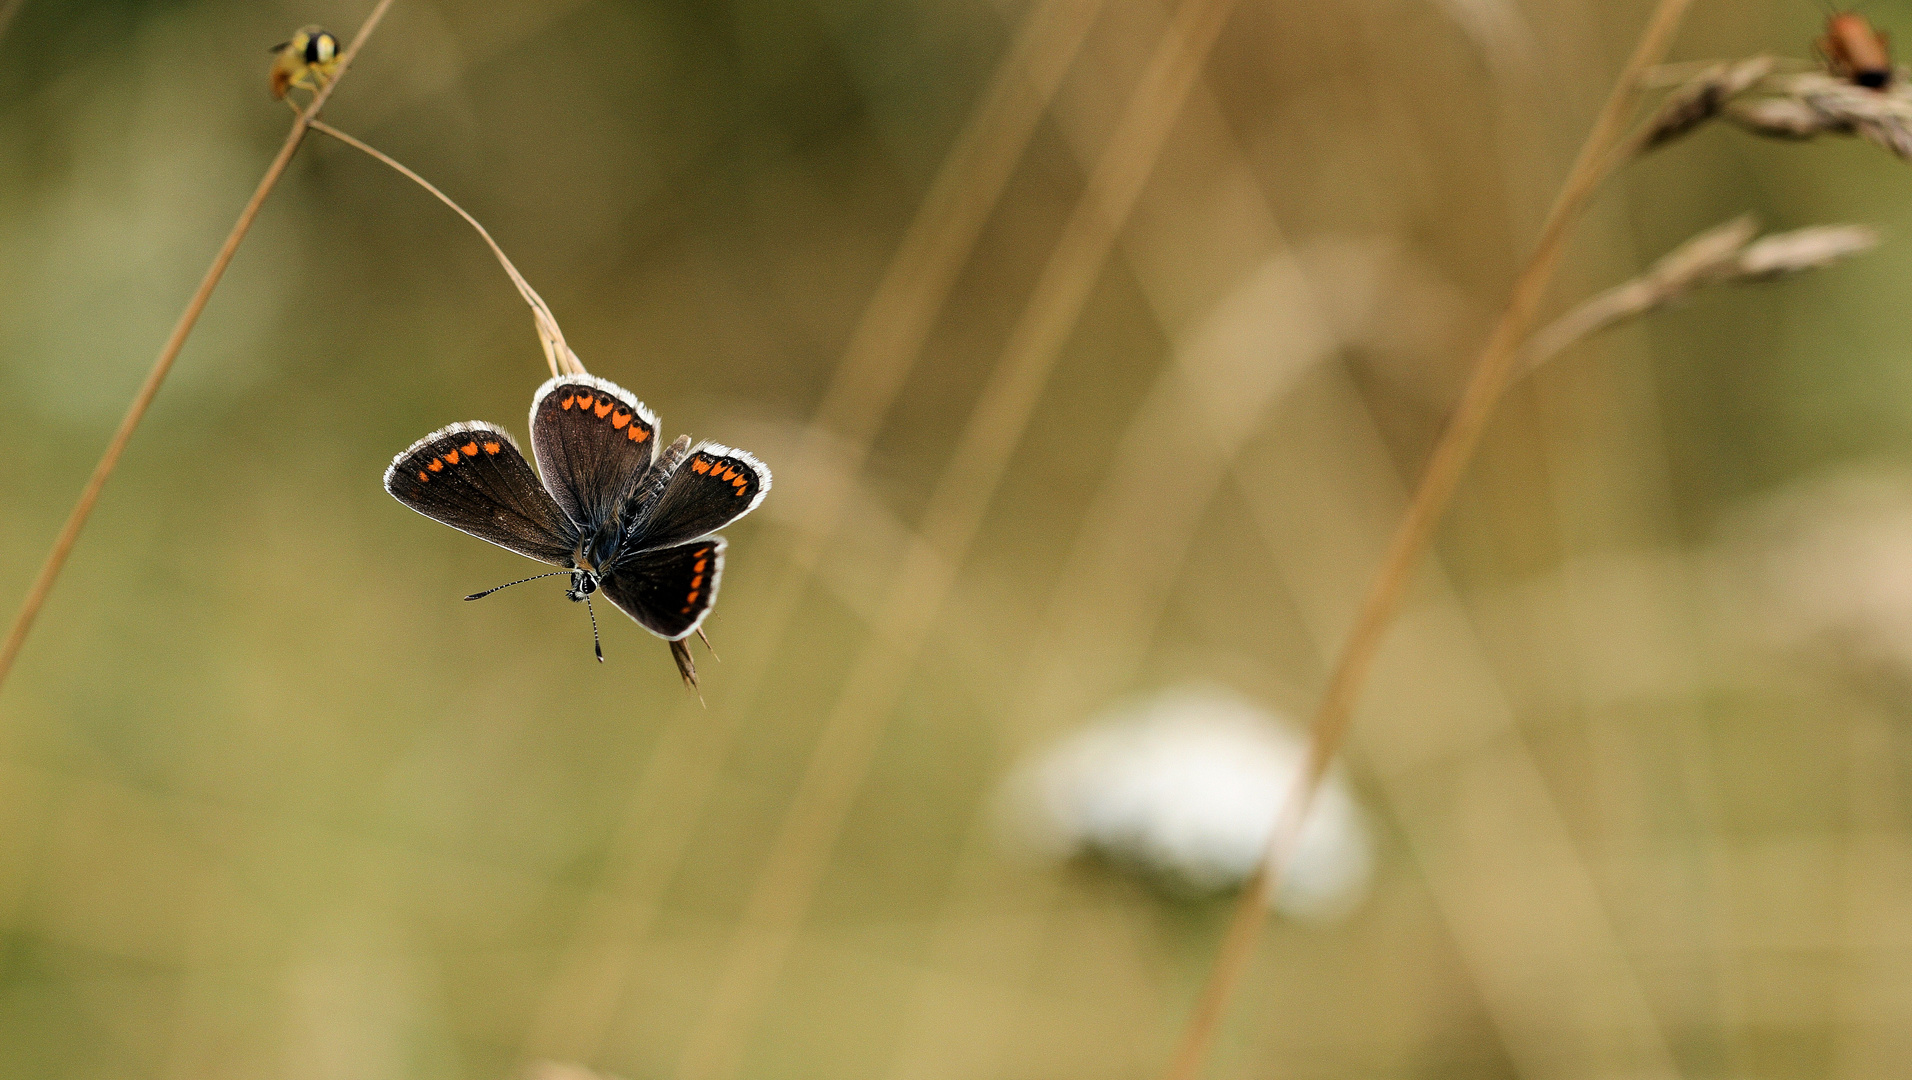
(1492, 373)
(841, 759)
(90, 494)
(9, 11)
(669, 797)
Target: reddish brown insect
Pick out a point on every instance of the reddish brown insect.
(1855, 51)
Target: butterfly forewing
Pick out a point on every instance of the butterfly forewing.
(473, 478)
(668, 591)
(594, 442)
(713, 487)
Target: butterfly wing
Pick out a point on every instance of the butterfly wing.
(473, 478)
(594, 442)
(713, 487)
(670, 590)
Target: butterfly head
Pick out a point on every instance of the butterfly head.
(583, 584)
(591, 561)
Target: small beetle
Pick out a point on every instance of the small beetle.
(1854, 50)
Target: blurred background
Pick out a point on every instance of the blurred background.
(1084, 384)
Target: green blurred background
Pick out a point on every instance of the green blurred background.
(274, 803)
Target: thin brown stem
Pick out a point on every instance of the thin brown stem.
(1493, 371)
(89, 495)
(557, 354)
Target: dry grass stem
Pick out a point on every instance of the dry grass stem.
(668, 799)
(842, 756)
(557, 354)
(1442, 747)
(1493, 372)
(1701, 98)
(1814, 103)
(89, 495)
(1722, 255)
(1782, 118)
(1811, 248)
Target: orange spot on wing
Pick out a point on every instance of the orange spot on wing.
(451, 458)
(584, 401)
(423, 476)
(686, 610)
(693, 596)
(436, 465)
(470, 449)
(637, 433)
(620, 420)
(604, 409)
(491, 448)
(696, 581)
(700, 465)
(566, 403)
(700, 566)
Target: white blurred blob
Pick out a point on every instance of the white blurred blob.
(1186, 787)
(1830, 568)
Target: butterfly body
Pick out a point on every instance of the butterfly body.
(627, 521)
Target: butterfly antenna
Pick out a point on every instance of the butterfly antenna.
(596, 645)
(706, 640)
(509, 584)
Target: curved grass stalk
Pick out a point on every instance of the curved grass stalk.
(557, 354)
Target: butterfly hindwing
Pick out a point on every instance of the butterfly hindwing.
(473, 478)
(594, 441)
(669, 590)
(712, 487)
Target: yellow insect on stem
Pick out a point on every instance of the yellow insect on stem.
(306, 61)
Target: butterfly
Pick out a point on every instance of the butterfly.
(623, 518)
